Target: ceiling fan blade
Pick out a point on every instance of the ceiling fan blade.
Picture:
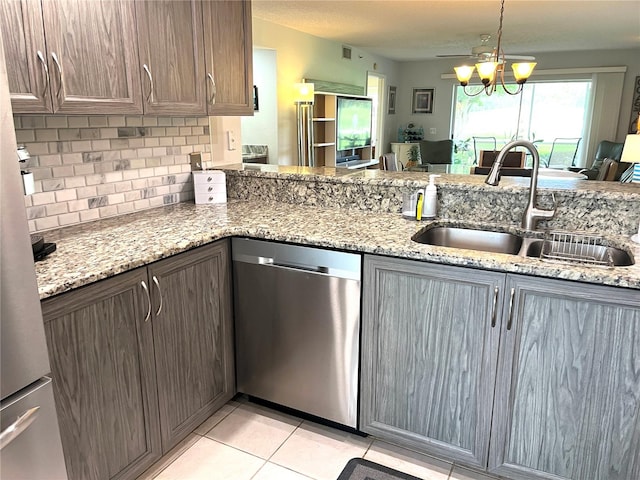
(452, 56)
(526, 58)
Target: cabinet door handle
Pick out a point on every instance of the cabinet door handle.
(60, 75)
(214, 89)
(510, 321)
(14, 430)
(144, 285)
(150, 96)
(495, 307)
(157, 283)
(45, 68)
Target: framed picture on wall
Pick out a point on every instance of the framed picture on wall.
(392, 100)
(634, 123)
(422, 101)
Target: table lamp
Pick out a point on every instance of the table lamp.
(631, 154)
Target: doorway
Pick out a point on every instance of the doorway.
(262, 128)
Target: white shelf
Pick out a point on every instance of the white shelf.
(323, 119)
(326, 144)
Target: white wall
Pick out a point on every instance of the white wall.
(262, 127)
(299, 56)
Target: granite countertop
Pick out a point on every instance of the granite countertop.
(93, 251)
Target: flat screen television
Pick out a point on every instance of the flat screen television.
(353, 125)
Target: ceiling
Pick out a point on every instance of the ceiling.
(418, 29)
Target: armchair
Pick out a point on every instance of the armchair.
(606, 149)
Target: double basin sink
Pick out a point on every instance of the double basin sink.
(566, 248)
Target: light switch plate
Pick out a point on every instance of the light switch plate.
(231, 140)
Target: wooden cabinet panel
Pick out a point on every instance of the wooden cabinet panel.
(25, 55)
(193, 338)
(429, 356)
(96, 48)
(229, 57)
(101, 354)
(568, 397)
(171, 46)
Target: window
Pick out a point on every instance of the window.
(545, 111)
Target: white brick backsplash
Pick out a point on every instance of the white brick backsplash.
(78, 205)
(80, 157)
(43, 198)
(56, 209)
(47, 223)
(125, 208)
(66, 195)
(83, 169)
(86, 192)
(106, 189)
(69, 219)
(77, 121)
(89, 215)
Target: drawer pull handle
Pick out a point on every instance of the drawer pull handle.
(144, 285)
(495, 307)
(43, 62)
(510, 321)
(60, 76)
(157, 283)
(212, 98)
(14, 430)
(150, 96)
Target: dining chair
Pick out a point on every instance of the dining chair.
(483, 143)
(563, 152)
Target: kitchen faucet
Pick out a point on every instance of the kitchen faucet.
(531, 213)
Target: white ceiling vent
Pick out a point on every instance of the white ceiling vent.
(346, 52)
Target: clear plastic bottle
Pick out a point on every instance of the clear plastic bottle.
(430, 208)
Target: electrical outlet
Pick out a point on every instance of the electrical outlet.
(231, 140)
(432, 131)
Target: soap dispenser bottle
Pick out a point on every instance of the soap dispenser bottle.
(430, 199)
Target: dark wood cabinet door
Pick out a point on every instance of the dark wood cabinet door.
(171, 61)
(93, 55)
(568, 393)
(430, 338)
(25, 55)
(192, 328)
(101, 354)
(229, 57)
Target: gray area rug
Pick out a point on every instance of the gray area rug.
(361, 469)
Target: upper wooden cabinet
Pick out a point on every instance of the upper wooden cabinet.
(89, 64)
(171, 56)
(228, 57)
(26, 56)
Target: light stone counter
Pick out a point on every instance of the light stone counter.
(97, 250)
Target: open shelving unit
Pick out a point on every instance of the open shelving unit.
(324, 131)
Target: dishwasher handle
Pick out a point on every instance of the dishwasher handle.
(317, 269)
(294, 266)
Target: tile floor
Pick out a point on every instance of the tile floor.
(245, 441)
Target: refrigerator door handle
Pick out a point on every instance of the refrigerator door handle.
(14, 430)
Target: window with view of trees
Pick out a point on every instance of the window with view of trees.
(544, 112)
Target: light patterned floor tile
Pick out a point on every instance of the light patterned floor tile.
(169, 457)
(271, 471)
(210, 460)
(216, 418)
(422, 466)
(254, 429)
(319, 452)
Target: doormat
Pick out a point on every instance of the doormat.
(361, 469)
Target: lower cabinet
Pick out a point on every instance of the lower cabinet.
(523, 377)
(139, 360)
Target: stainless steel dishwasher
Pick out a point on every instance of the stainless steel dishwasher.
(297, 319)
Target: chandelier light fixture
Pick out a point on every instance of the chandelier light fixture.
(491, 70)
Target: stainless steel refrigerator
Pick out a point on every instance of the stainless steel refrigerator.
(30, 446)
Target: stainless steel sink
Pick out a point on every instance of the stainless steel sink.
(579, 253)
(470, 239)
